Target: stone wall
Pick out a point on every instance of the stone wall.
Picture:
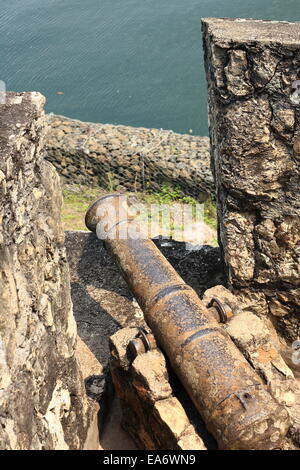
(127, 158)
(252, 71)
(42, 397)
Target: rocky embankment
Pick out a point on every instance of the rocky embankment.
(128, 158)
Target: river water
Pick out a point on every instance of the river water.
(133, 62)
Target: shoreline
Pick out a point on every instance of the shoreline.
(118, 157)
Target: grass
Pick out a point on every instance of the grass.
(76, 202)
(78, 198)
(169, 194)
(210, 213)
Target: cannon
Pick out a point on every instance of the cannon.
(232, 399)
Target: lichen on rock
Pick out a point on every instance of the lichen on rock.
(254, 131)
(42, 397)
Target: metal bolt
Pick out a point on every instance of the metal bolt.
(143, 343)
(221, 311)
(136, 347)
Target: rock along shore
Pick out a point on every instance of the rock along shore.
(128, 158)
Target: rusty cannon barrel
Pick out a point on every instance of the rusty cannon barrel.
(231, 398)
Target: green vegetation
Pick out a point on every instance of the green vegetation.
(111, 187)
(77, 199)
(210, 213)
(169, 194)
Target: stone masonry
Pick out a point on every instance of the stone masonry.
(253, 72)
(121, 158)
(43, 404)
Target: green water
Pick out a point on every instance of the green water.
(133, 62)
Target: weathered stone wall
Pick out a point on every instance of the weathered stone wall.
(42, 398)
(252, 71)
(127, 158)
